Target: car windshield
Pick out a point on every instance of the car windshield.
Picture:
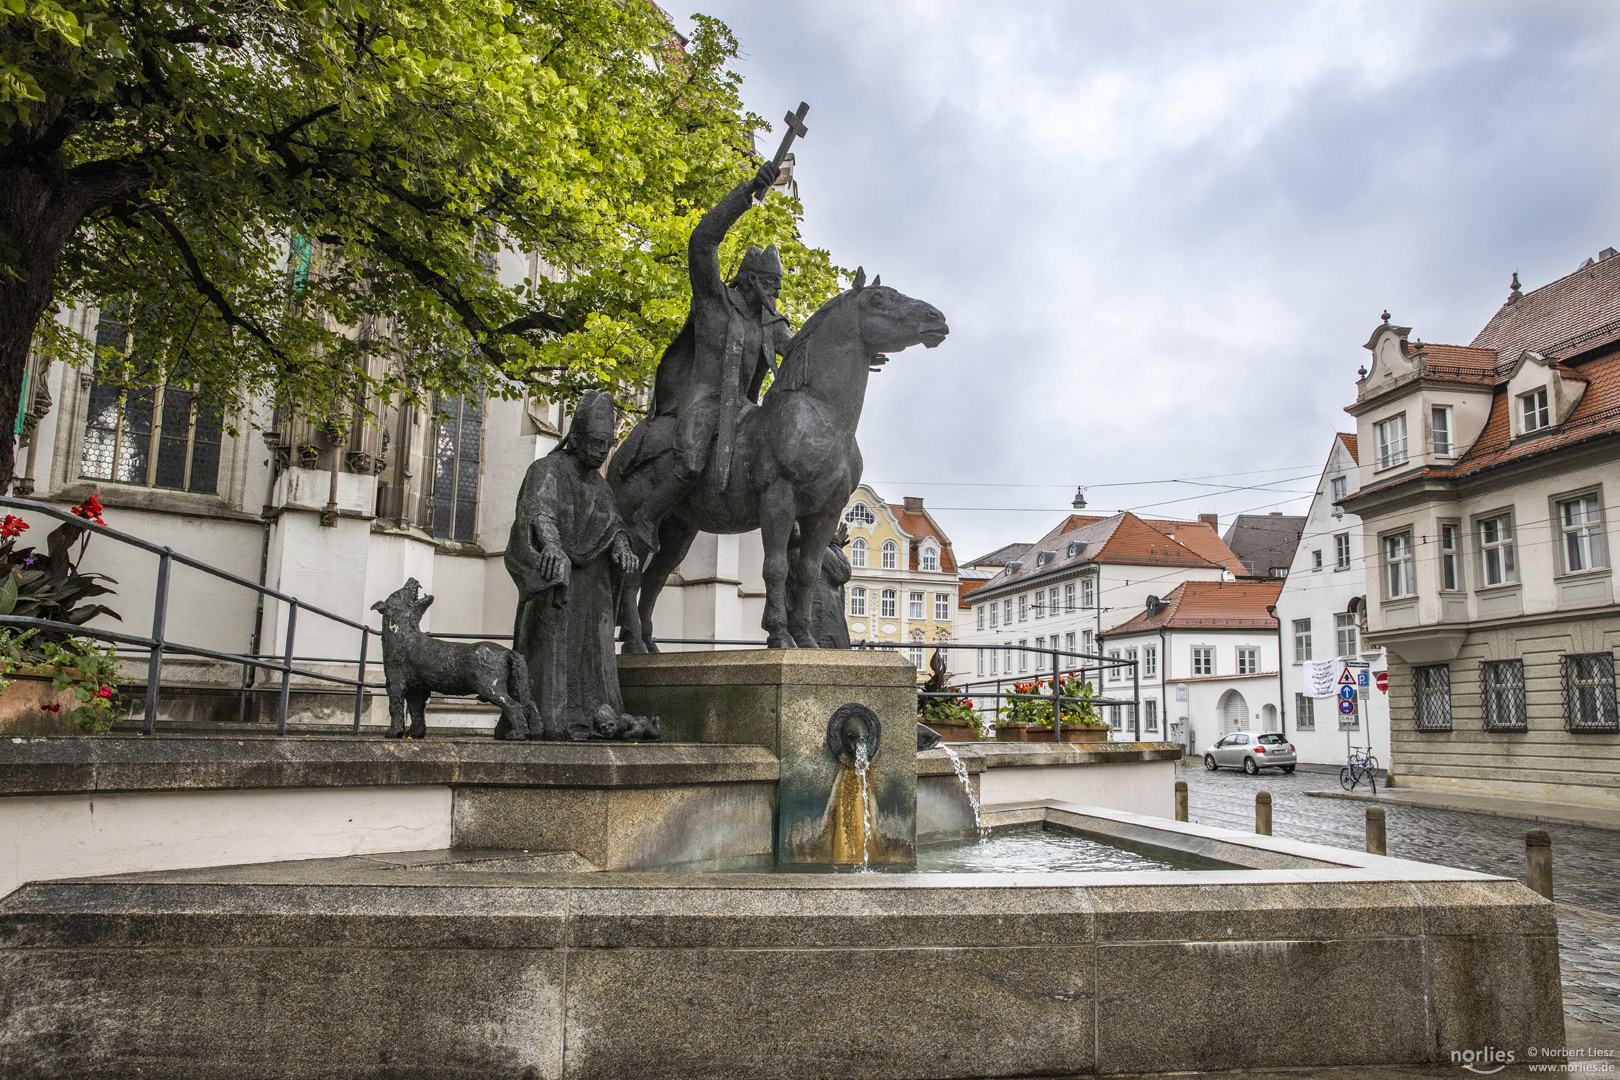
(1273, 740)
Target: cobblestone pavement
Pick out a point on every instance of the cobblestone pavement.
(1585, 881)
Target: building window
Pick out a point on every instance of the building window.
(1344, 634)
(1150, 714)
(930, 558)
(994, 607)
(857, 601)
(1431, 697)
(1203, 661)
(1304, 713)
(978, 613)
(1115, 674)
(1087, 644)
(1496, 551)
(1150, 662)
(979, 657)
(458, 447)
(1130, 657)
(914, 606)
(1023, 607)
(1581, 520)
(1068, 642)
(1007, 650)
(1501, 684)
(1088, 593)
(1450, 568)
(1248, 661)
(1316, 559)
(1302, 640)
(1023, 657)
(1006, 611)
(1589, 701)
(1440, 427)
(942, 607)
(891, 555)
(1040, 604)
(1398, 565)
(1068, 597)
(149, 434)
(860, 514)
(1052, 601)
(914, 653)
(1533, 410)
(1114, 713)
(890, 601)
(1391, 441)
(857, 552)
(1341, 487)
(992, 661)
(1341, 551)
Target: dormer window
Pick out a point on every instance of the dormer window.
(1076, 547)
(930, 558)
(1533, 411)
(1391, 441)
(860, 514)
(1440, 427)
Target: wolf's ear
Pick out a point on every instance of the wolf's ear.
(378, 606)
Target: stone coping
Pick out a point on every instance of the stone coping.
(980, 756)
(768, 667)
(64, 765)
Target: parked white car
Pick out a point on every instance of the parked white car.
(1251, 751)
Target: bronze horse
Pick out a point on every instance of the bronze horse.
(794, 460)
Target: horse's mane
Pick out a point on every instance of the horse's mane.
(794, 373)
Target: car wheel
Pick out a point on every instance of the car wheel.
(1249, 766)
(1209, 762)
(1288, 768)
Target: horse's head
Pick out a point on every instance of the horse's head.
(891, 320)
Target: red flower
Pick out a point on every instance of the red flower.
(91, 509)
(12, 526)
(105, 691)
(51, 706)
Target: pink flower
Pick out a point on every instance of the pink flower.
(104, 692)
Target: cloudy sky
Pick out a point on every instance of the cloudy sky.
(1161, 231)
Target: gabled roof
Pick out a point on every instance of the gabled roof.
(1264, 541)
(1597, 414)
(1350, 445)
(1208, 605)
(1555, 317)
(1000, 557)
(919, 524)
(1122, 538)
(1202, 538)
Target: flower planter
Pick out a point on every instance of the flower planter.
(954, 732)
(1038, 733)
(22, 704)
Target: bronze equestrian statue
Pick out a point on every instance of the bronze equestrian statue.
(708, 459)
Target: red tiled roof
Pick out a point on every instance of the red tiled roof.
(1122, 538)
(1350, 445)
(1456, 363)
(919, 525)
(1597, 414)
(965, 586)
(1209, 605)
(1553, 317)
(1202, 538)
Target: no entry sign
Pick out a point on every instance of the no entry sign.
(1382, 679)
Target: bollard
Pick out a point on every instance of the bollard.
(1375, 830)
(1262, 813)
(1538, 862)
(1181, 800)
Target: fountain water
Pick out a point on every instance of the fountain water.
(967, 785)
(861, 765)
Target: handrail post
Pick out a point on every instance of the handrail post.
(286, 670)
(1057, 701)
(154, 660)
(360, 679)
(1136, 701)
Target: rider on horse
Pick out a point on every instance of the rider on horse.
(731, 339)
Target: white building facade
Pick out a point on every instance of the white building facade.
(1323, 611)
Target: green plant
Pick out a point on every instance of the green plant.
(1037, 710)
(83, 665)
(50, 585)
(953, 711)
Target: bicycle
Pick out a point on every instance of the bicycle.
(1363, 766)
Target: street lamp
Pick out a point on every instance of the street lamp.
(1079, 498)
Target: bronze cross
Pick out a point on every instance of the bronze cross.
(795, 129)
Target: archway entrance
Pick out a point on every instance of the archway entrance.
(1268, 718)
(1234, 712)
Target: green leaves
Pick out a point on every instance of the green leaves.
(400, 137)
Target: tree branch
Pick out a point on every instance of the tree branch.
(206, 286)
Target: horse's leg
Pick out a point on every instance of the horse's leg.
(631, 631)
(776, 529)
(815, 533)
(674, 541)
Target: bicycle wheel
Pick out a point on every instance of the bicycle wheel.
(1347, 779)
(1372, 765)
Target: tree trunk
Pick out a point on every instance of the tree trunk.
(40, 210)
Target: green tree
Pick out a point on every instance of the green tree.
(170, 154)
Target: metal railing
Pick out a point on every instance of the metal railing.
(158, 644)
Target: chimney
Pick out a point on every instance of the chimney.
(913, 504)
(1212, 520)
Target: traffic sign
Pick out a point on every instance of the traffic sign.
(1382, 679)
(1347, 678)
(1347, 706)
(1347, 693)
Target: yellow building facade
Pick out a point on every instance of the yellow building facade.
(903, 575)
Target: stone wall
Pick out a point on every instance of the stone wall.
(1544, 762)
